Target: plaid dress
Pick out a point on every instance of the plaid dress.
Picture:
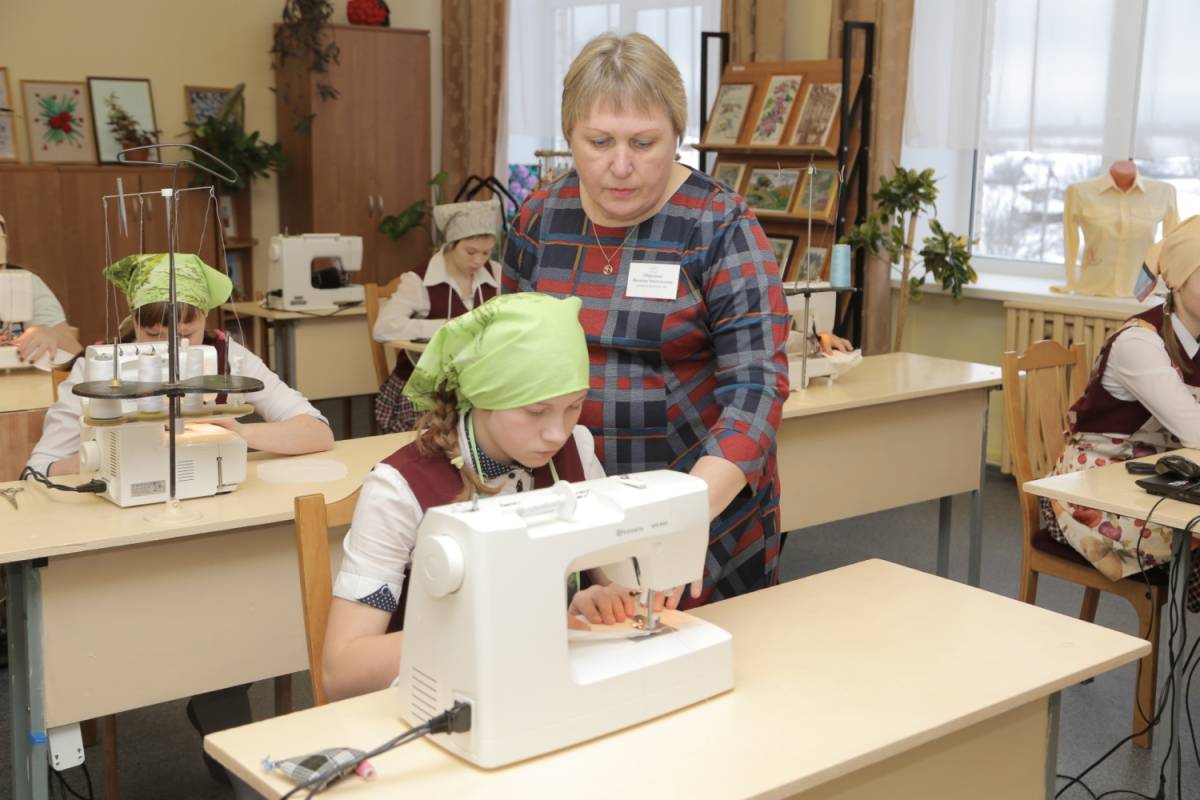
(674, 380)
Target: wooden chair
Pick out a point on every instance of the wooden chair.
(314, 517)
(373, 296)
(1035, 416)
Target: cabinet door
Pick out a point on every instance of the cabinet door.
(93, 305)
(29, 202)
(400, 79)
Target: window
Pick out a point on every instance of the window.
(1038, 94)
(545, 36)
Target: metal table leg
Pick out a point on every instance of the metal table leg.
(26, 692)
(1052, 715)
(945, 517)
(1178, 594)
(975, 545)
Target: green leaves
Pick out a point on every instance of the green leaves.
(396, 225)
(946, 256)
(224, 137)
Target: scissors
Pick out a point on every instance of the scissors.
(11, 495)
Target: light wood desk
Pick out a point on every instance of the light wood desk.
(407, 346)
(25, 394)
(869, 681)
(322, 355)
(1111, 488)
(897, 429)
(109, 610)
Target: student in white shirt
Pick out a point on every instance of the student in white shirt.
(47, 332)
(457, 278)
(291, 424)
(1143, 398)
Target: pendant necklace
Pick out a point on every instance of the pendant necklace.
(608, 265)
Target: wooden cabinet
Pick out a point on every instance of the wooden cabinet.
(366, 153)
(56, 227)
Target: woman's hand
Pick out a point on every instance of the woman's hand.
(831, 342)
(608, 605)
(35, 342)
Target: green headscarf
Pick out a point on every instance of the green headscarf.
(512, 351)
(144, 279)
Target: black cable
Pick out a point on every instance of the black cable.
(94, 486)
(332, 313)
(68, 788)
(456, 719)
(1086, 788)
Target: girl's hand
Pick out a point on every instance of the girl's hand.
(608, 605)
(830, 342)
(36, 342)
(672, 599)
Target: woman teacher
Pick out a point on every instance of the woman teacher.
(683, 310)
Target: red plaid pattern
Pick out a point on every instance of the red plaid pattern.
(674, 380)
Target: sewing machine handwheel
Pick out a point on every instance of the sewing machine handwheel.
(440, 560)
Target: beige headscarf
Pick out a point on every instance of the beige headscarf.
(1177, 256)
(457, 221)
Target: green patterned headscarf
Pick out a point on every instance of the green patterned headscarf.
(512, 351)
(144, 279)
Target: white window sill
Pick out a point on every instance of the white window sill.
(1034, 291)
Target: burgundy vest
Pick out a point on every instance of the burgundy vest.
(435, 482)
(1098, 411)
(444, 303)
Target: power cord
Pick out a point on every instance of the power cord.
(67, 788)
(94, 486)
(456, 719)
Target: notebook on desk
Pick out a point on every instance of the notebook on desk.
(1178, 488)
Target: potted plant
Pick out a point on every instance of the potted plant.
(900, 202)
(126, 129)
(304, 34)
(224, 135)
(396, 225)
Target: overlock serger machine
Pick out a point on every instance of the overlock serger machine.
(310, 271)
(486, 617)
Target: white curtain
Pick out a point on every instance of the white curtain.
(1168, 120)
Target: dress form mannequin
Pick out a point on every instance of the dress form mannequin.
(1108, 223)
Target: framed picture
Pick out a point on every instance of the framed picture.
(776, 107)
(817, 197)
(812, 266)
(204, 101)
(821, 104)
(124, 112)
(8, 119)
(228, 216)
(729, 110)
(769, 191)
(783, 246)
(59, 122)
(729, 173)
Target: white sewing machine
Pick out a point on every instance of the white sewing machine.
(124, 442)
(16, 307)
(309, 272)
(486, 617)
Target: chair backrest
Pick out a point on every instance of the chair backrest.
(373, 296)
(314, 518)
(57, 376)
(1036, 410)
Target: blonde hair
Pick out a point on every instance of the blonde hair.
(623, 70)
(439, 437)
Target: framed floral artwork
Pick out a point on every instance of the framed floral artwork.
(783, 247)
(124, 112)
(204, 101)
(59, 122)
(821, 104)
(729, 110)
(817, 197)
(8, 119)
(776, 107)
(769, 191)
(729, 173)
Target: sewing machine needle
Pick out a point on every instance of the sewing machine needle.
(651, 622)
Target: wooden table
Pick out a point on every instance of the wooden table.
(869, 681)
(25, 394)
(110, 610)
(1111, 488)
(897, 429)
(321, 354)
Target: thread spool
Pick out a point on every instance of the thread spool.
(839, 269)
(150, 371)
(235, 364)
(193, 366)
(100, 368)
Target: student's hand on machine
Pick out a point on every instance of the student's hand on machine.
(609, 605)
(676, 595)
(35, 342)
(831, 342)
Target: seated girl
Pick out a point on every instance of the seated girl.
(48, 331)
(503, 386)
(458, 277)
(1141, 400)
(291, 425)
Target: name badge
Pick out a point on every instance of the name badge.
(653, 280)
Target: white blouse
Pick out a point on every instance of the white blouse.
(275, 402)
(405, 314)
(383, 532)
(1139, 368)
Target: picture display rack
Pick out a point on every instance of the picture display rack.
(791, 137)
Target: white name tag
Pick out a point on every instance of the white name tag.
(653, 280)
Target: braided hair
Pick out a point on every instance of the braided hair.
(439, 437)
